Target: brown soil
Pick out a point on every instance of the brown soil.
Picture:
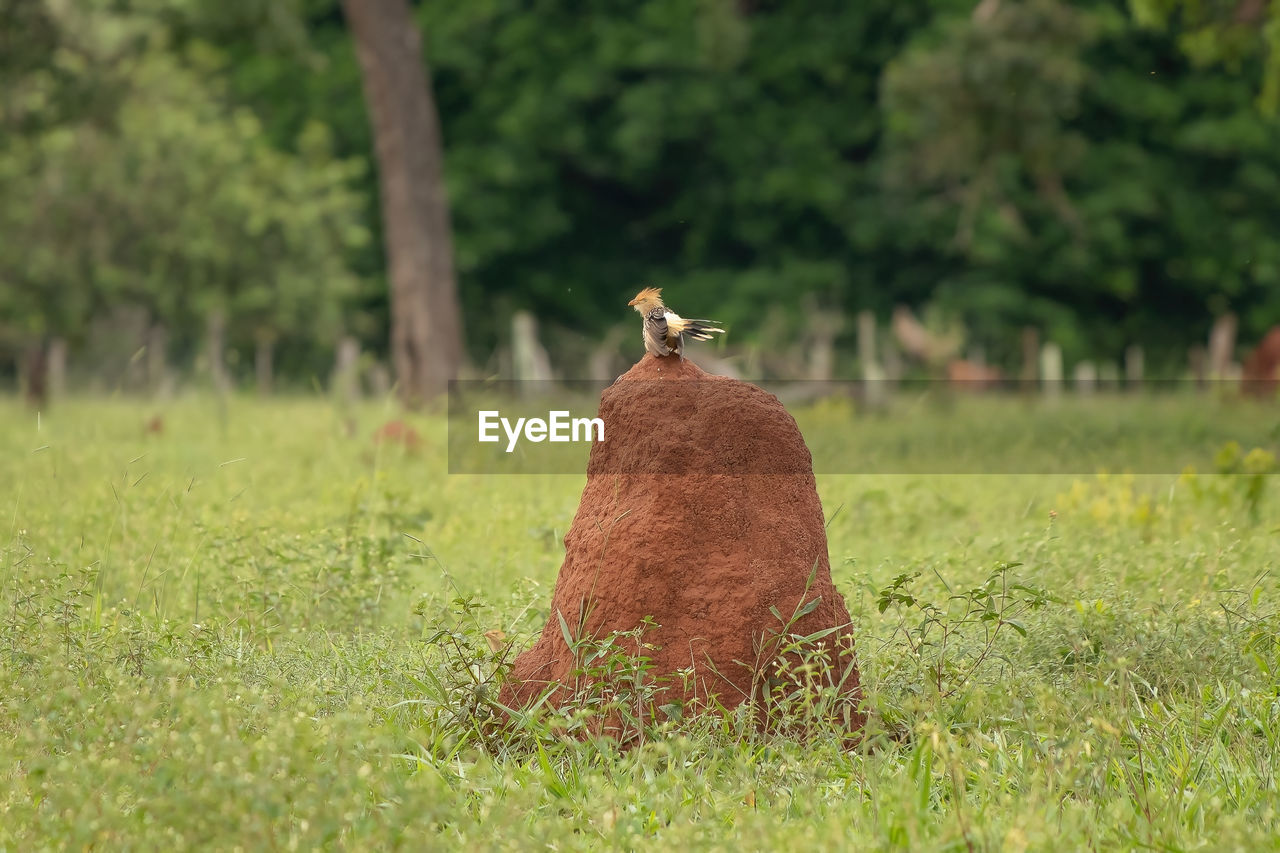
(972, 376)
(1262, 366)
(700, 511)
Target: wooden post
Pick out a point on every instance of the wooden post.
(264, 345)
(823, 326)
(822, 355)
(217, 333)
(892, 359)
(822, 358)
(1197, 360)
(872, 374)
(1108, 375)
(1133, 366)
(379, 380)
(602, 364)
(57, 358)
(1222, 346)
(1051, 370)
(1085, 377)
(1030, 358)
(34, 372)
(346, 371)
(133, 323)
(157, 367)
(529, 360)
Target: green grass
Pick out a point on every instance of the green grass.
(246, 632)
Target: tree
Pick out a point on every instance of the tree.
(1103, 164)
(986, 110)
(721, 149)
(134, 183)
(1101, 186)
(1229, 32)
(426, 322)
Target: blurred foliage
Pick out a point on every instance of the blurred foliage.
(1105, 170)
(1228, 32)
(131, 178)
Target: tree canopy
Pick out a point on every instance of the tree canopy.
(1107, 171)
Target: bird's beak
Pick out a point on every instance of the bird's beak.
(633, 301)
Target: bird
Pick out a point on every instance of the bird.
(664, 329)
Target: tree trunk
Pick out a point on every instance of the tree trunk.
(426, 324)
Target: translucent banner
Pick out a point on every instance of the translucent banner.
(683, 427)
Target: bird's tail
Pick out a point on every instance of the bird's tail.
(701, 330)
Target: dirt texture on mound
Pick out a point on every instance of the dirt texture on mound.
(700, 511)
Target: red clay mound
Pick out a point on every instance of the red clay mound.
(1262, 367)
(700, 511)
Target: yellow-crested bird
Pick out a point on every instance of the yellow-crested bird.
(664, 329)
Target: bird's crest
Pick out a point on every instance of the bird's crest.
(649, 294)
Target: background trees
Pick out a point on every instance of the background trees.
(1106, 171)
(134, 185)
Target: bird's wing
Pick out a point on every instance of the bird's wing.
(673, 321)
(655, 331)
(699, 330)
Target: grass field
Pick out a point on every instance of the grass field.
(246, 632)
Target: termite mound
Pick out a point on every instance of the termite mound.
(700, 513)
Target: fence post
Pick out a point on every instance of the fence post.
(346, 373)
(1030, 358)
(1197, 359)
(1222, 346)
(872, 373)
(216, 326)
(1133, 365)
(1108, 375)
(1085, 377)
(1051, 370)
(529, 360)
(57, 368)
